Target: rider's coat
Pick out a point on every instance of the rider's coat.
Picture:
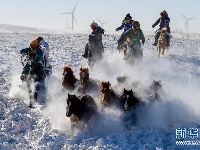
(37, 59)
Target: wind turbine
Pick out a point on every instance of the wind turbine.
(186, 21)
(102, 23)
(73, 18)
(68, 25)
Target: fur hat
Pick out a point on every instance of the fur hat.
(34, 44)
(164, 13)
(39, 38)
(94, 24)
(136, 23)
(128, 15)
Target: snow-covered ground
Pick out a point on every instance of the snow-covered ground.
(49, 128)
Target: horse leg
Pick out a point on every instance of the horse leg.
(159, 49)
(125, 53)
(163, 51)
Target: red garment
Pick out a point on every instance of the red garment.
(93, 27)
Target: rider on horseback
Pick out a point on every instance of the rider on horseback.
(34, 58)
(45, 48)
(134, 36)
(97, 32)
(164, 21)
(126, 23)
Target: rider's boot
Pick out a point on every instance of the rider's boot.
(85, 55)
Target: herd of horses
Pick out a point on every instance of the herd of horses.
(123, 96)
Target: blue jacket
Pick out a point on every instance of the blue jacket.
(164, 22)
(125, 26)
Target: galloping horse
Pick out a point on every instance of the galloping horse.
(129, 99)
(123, 46)
(80, 110)
(95, 50)
(35, 84)
(68, 78)
(107, 96)
(88, 84)
(162, 42)
(156, 90)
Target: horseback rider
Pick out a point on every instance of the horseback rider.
(164, 21)
(45, 48)
(126, 23)
(134, 35)
(34, 57)
(97, 32)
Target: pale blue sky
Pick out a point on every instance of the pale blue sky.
(45, 13)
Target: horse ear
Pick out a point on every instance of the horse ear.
(159, 81)
(109, 83)
(154, 81)
(131, 90)
(69, 95)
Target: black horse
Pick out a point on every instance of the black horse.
(129, 99)
(95, 50)
(80, 110)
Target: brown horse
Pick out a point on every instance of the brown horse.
(80, 110)
(162, 41)
(107, 96)
(87, 84)
(68, 78)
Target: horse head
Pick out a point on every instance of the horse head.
(72, 104)
(68, 77)
(84, 75)
(105, 92)
(122, 79)
(163, 34)
(129, 99)
(156, 87)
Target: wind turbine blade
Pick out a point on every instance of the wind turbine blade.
(74, 7)
(66, 13)
(105, 22)
(75, 19)
(191, 18)
(183, 16)
(99, 21)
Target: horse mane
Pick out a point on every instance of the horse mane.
(85, 70)
(69, 70)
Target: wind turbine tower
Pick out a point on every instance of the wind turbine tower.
(186, 21)
(73, 18)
